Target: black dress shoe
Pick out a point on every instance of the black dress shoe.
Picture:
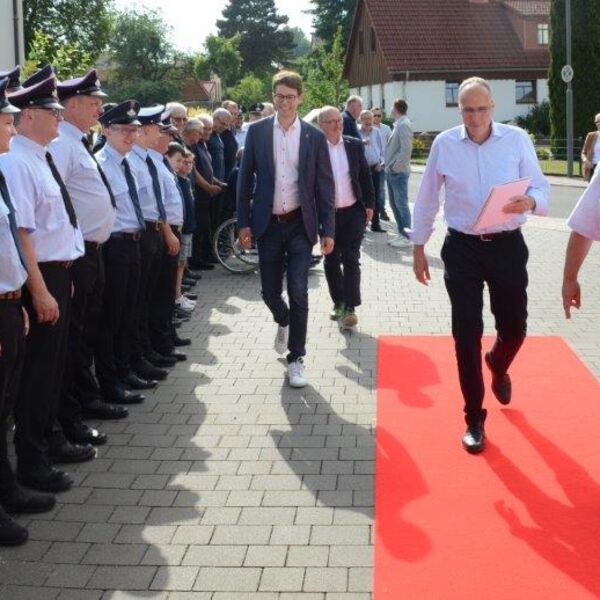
(147, 370)
(177, 323)
(11, 533)
(191, 296)
(16, 501)
(134, 382)
(72, 453)
(119, 395)
(190, 282)
(99, 409)
(80, 433)
(501, 384)
(177, 355)
(384, 216)
(474, 439)
(159, 360)
(192, 275)
(182, 315)
(46, 479)
(177, 341)
(206, 266)
(377, 230)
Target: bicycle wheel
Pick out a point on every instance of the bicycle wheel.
(227, 249)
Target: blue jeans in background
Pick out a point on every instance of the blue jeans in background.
(381, 193)
(397, 184)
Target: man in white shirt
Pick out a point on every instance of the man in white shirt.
(468, 160)
(374, 152)
(386, 134)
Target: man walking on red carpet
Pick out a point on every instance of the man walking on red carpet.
(468, 161)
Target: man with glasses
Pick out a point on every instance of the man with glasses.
(468, 160)
(386, 134)
(179, 117)
(55, 241)
(286, 201)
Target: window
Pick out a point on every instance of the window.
(452, 93)
(525, 92)
(542, 34)
(361, 42)
(373, 41)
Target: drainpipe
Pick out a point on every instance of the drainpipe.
(16, 30)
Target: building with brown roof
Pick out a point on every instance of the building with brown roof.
(421, 50)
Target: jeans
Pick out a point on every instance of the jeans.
(380, 199)
(286, 245)
(398, 192)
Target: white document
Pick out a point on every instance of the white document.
(491, 214)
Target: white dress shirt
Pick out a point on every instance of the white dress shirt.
(39, 202)
(91, 200)
(385, 131)
(12, 272)
(111, 162)
(468, 171)
(374, 147)
(172, 199)
(585, 218)
(286, 156)
(139, 167)
(240, 135)
(344, 196)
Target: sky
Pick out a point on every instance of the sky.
(193, 20)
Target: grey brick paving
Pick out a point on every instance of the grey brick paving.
(226, 484)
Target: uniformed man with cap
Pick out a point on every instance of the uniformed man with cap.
(14, 323)
(55, 241)
(13, 77)
(121, 255)
(145, 361)
(94, 205)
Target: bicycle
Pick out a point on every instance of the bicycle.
(226, 247)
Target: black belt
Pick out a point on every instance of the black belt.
(288, 217)
(134, 236)
(63, 264)
(93, 245)
(345, 208)
(16, 295)
(153, 225)
(486, 237)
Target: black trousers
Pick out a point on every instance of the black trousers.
(502, 264)
(113, 348)
(45, 356)
(151, 257)
(342, 266)
(79, 383)
(376, 179)
(202, 238)
(12, 341)
(162, 303)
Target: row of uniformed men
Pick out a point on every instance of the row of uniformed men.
(89, 248)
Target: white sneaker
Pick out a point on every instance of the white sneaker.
(185, 303)
(296, 375)
(281, 339)
(400, 242)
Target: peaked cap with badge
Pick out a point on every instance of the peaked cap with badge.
(86, 85)
(14, 79)
(39, 95)
(125, 113)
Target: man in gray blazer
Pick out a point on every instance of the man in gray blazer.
(285, 199)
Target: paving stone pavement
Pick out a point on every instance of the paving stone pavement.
(228, 485)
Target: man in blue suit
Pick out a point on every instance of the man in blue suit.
(285, 200)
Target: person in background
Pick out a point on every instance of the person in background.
(240, 128)
(590, 153)
(354, 106)
(386, 133)
(268, 110)
(230, 145)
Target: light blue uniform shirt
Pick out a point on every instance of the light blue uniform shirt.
(111, 162)
(95, 214)
(137, 160)
(468, 171)
(12, 272)
(39, 203)
(170, 192)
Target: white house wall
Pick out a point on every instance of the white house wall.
(427, 101)
(7, 43)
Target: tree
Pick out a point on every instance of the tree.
(263, 42)
(81, 24)
(250, 90)
(300, 43)
(324, 80)
(222, 57)
(329, 15)
(585, 55)
(69, 59)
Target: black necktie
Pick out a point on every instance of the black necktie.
(86, 143)
(63, 190)
(12, 222)
(162, 213)
(133, 194)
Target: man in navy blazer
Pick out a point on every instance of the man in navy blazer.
(285, 200)
(354, 204)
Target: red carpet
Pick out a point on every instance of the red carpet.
(521, 520)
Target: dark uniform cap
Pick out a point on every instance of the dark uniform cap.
(45, 72)
(151, 115)
(106, 107)
(40, 95)
(125, 113)
(6, 108)
(87, 85)
(257, 108)
(166, 126)
(14, 79)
